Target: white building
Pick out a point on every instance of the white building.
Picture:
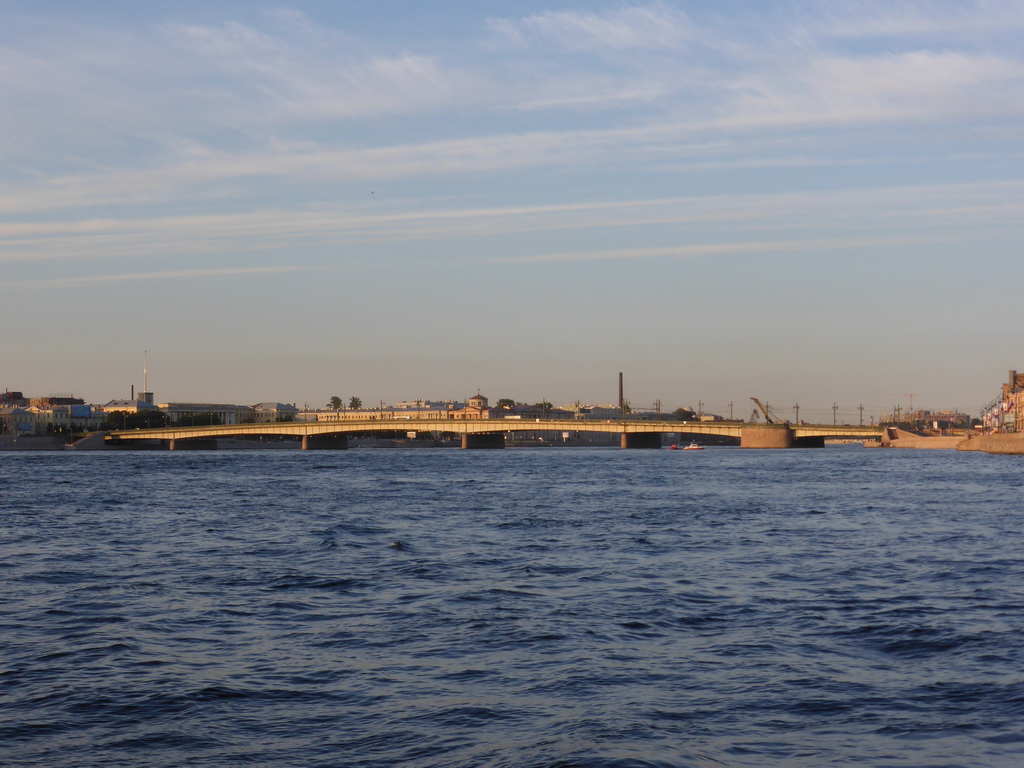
(224, 412)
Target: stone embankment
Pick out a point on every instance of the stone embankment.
(1006, 444)
(1010, 444)
(33, 443)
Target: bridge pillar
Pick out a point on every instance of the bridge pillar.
(483, 440)
(809, 442)
(324, 442)
(767, 436)
(191, 444)
(641, 440)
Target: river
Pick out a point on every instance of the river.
(524, 608)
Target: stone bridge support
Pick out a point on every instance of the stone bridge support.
(641, 440)
(483, 440)
(767, 436)
(809, 442)
(324, 442)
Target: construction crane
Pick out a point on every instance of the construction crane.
(768, 417)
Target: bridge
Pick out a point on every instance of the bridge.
(490, 433)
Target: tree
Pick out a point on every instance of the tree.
(137, 420)
(354, 403)
(205, 419)
(683, 414)
(505, 403)
(335, 403)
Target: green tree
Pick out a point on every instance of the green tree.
(136, 420)
(335, 403)
(505, 403)
(683, 414)
(199, 420)
(354, 403)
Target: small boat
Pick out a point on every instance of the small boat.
(694, 447)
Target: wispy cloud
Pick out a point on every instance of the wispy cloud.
(340, 238)
(308, 72)
(315, 96)
(653, 26)
(950, 20)
(183, 274)
(909, 87)
(725, 249)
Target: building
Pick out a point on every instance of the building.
(16, 421)
(60, 419)
(223, 412)
(475, 408)
(264, 412)
(127, 406)
(432, 409)
(537, 411)
(12, 399)
(55, 400)
(1011, 404)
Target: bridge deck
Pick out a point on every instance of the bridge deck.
(484, 426)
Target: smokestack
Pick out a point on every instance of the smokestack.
(1013, 378)
(622, 400)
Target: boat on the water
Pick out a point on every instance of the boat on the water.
(694, 447)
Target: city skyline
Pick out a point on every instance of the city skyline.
(748, 409)
(804, 202)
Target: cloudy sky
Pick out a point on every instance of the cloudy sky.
(807, 202)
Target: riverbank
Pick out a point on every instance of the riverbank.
(1009, 444)
(33, 443)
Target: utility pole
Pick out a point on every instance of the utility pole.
(700, 409)
(834, 409)
(622, 399)
(730, 410)
(861, 409)
(796, 409)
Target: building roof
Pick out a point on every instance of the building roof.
(138, 405)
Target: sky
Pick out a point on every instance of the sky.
(813, 203)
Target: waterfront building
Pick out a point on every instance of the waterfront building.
(591, 411)
(345, 414)
(127, 406)
(35, 420)
(265, 412)
(16, 420)
(1011, 403)
(12, 399)
(225, 413)
(55, 400)
(537, 411)
(475, 408)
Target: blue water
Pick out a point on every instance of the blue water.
(524, 608)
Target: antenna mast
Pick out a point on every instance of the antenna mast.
(147, 396)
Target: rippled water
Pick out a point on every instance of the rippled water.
(527, 607)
